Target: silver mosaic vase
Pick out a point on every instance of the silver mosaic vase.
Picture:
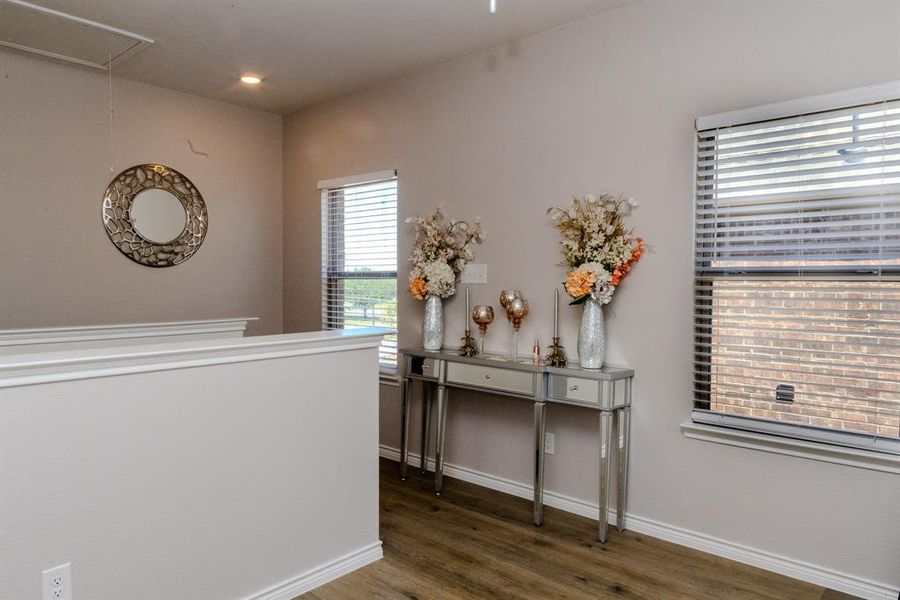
(591, 336)
(433, 327)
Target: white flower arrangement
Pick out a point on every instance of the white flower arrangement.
(440, 278)
(440, 252)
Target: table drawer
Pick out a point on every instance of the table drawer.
(507, 380)
(426, 367)
(574, 389)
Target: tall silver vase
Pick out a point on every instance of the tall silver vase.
(592, 336)
(433, 327)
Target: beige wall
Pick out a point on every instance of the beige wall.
(608, 103)
(57, 267)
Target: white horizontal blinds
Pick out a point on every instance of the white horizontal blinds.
(359, 260)
(797, 270)
(809, 193)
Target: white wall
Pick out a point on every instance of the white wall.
(607, 103)
(210, 481)
(57, 266)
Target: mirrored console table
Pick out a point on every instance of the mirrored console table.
(606, 390)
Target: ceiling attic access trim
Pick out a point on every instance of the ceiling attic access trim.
(134, 42)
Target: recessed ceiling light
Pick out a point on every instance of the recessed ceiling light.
(492, 6)
(251, 79)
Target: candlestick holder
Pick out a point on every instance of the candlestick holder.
(557, 355)
(468, 347)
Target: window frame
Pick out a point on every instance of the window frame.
(334, 275)
(866, 450)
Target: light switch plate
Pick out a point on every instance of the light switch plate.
(473, 273)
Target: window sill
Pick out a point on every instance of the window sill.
(864, 459)
(391, 379)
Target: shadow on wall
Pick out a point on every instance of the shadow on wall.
(512, 49)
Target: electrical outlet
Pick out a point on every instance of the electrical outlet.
(549, 443)
(57, 583)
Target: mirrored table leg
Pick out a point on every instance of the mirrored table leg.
(426, 427)
(442, 395)
(606, 422)
(540, 419)
(405, 393)
(623, 427)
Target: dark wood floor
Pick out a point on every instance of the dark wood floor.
(477, 543)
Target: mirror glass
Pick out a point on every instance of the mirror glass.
(158, 215)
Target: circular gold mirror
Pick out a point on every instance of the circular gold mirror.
(158, 215)
(154, 215)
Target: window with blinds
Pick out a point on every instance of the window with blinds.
(359, 256)
(797, 275)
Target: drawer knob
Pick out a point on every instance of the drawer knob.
(573, 388)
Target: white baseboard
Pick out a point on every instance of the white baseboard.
(293, 587)
(803, 571)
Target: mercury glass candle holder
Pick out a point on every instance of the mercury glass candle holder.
(507, 296)
(518, 310)
(515, 312)
(483, 315)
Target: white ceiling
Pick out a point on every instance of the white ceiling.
(308, 51)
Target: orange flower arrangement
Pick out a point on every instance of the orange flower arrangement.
(599, 248)
(622, 270)
(580, 283)
(417, 287)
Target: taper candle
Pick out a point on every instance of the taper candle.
(556, 313)
(467, 309)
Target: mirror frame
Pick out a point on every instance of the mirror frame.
(116, 211)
